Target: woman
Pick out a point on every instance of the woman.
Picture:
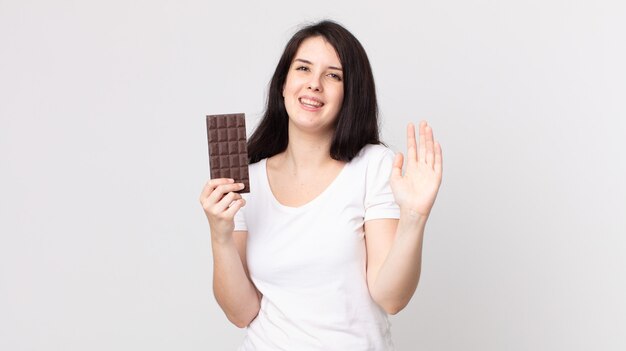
(330, 240)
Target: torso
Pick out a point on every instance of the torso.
(309, 262)
(295, 190)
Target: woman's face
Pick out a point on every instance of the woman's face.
(313, 90)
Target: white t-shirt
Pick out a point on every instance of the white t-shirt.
(309, 262)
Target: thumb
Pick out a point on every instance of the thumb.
(396, 171)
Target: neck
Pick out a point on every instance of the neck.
(307, 151)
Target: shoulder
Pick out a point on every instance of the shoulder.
(374, 153)
(256, 167)
(256, 176)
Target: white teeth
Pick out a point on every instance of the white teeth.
(311, 103)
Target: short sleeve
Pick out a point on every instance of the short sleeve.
(379, 200)
(240, 217)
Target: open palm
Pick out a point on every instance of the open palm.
(416, 190)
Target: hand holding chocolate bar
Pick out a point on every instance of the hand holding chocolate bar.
(228, 151)
(221, 197)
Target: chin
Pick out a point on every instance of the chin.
(313, 127)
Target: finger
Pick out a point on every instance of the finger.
(411, 143)
(422, 144)
(220, 190)
(211, 185)
(396, 171)
(430, 147)
(223, 204)
(232, 210)
(438, 159)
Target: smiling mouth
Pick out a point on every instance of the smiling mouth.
(311, 103)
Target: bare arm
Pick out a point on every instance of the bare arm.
(394, 247)
(394, 251)
(233, 289)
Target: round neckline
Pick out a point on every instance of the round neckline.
(312, 202)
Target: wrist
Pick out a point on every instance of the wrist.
(411, 224)
(412, 216)
(218, 238)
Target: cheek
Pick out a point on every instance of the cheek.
(288, 88)
(340, 97)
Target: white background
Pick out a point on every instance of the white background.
(104, 245)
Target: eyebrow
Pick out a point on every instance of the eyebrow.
(310, 63)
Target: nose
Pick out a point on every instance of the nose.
(315, 84)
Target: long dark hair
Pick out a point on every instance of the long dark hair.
(357, 122)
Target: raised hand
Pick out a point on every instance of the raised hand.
(415, 192)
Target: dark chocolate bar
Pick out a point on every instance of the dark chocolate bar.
(228, 151)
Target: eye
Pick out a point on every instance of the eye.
(335, 76)
(302, 68)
